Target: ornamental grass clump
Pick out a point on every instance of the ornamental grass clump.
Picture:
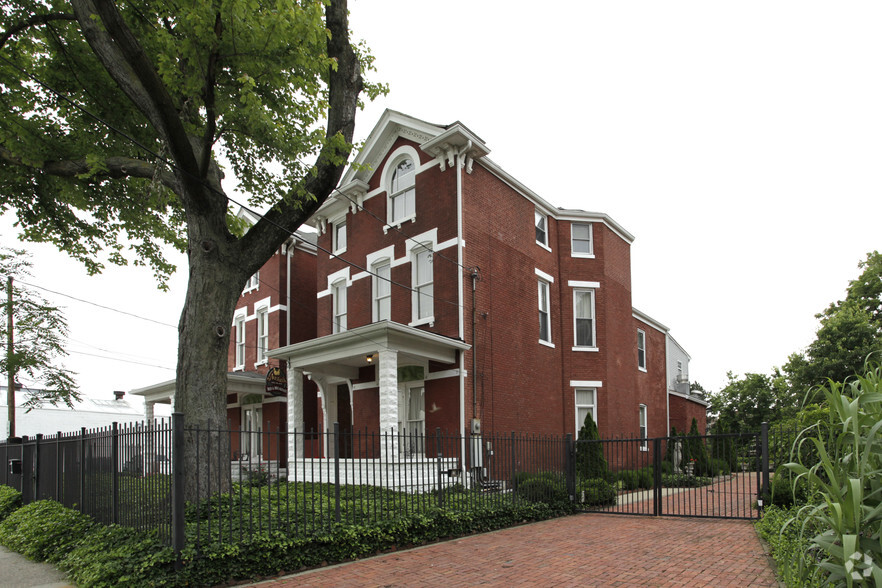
(845, 485)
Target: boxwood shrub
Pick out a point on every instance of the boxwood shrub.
(596, 492)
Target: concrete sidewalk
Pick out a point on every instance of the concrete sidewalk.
(16, 571)
(581, 550)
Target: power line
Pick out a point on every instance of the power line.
(162, 367)
(143, 318)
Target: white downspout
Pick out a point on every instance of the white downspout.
(459, 289)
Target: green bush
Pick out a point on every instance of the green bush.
(547, 487)
(596, 492)
(781, 528)
(685, 481)
(719, 467)
(590, 462)
(846, 479)
(100, 556)
(635, 479)
(10, 501)
(119, 556)
(787, 490)
(44, 530)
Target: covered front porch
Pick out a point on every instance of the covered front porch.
(384, 390)
(255, 418)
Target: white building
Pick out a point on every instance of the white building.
(89, 412)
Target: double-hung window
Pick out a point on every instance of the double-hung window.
(338, 290)
(240, 342)
(262, 334)
(402, 193)
(382, 291)
(641, 349)
(582, 240)
(644, 443)
(423, 283)
(544, 312)
(541, 229)
(583, 305)
(586, 403)
(339, 237)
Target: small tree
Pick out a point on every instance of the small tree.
(34, 332)
(694, 449)
(590, 462)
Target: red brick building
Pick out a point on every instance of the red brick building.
(440, 292)
(451, 296)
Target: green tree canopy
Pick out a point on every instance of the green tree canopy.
(114, 121)
(745, 402)
(39, 335)
(849, 333)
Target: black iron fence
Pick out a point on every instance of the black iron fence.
(253, 482)
(720, 476)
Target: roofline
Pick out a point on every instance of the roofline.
(645, 318)
(556, 213)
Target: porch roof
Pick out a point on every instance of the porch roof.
(341, 354)
(237, 383)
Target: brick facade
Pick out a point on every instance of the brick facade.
(507, 378)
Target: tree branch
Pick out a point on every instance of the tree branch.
(131, 69)
(345, 84)
(210, 105)
(38, 19)
(115, 168)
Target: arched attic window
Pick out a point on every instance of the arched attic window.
(402, 194)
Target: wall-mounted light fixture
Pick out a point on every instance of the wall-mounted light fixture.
(369, 358)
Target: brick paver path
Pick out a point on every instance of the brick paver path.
(581, 550)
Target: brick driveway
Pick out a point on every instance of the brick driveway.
(580, 550)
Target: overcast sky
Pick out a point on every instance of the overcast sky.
(739, 142)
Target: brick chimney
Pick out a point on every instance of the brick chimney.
(118, 394)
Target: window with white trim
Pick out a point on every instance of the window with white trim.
(641, 349)
(338, 293)
(541, 229)
(240, 342)
(382, 271)
(586, 403)
(339, 237)
(262, 334)
(544, 312)
(582, 239)
(423, 282)
(402, 192)
(253, 282)
(644, 444)
(415, 425)
(583, 313)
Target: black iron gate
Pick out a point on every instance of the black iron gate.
(719, 476)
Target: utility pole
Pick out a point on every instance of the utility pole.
(10, 390)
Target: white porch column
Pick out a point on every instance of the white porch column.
(387, 378)
(295, 415)
(148, 411)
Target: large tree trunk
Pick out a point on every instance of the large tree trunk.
(214, 286)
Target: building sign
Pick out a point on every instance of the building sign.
(276, 382)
